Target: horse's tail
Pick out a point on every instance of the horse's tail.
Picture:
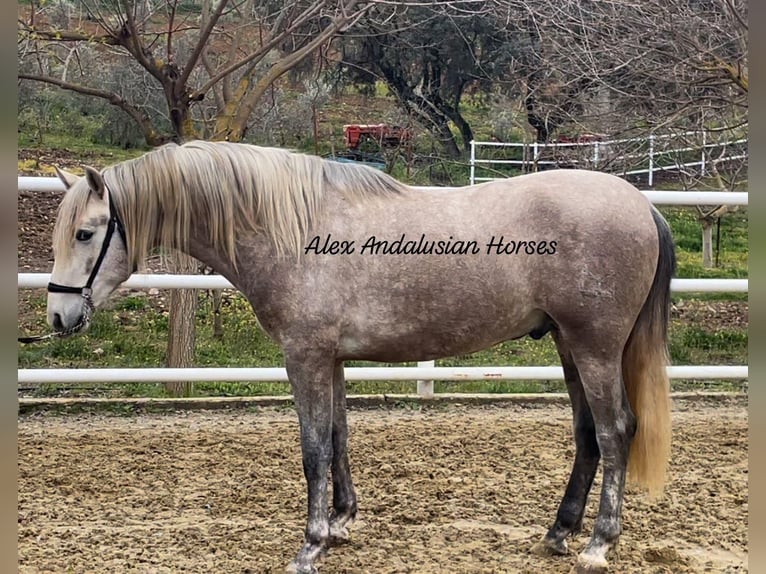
(644, 363)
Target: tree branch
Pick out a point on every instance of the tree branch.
(260, 52)
(290, 61)
(202, 42)
(129, 39)
(151, 135)
(69, 36)
(171, 20)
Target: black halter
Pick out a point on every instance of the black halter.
(87, 290)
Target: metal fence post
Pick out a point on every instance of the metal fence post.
(595, 155)
(534, 156)
(524, 157)
(473, 162)
(426, 388)
(651, 160)
(702, 165)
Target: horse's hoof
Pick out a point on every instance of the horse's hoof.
(293, 568)
(590, 565)
(339, 529)
(339, 534)
(546, 547)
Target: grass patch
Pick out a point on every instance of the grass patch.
(695, 345)
(134, 334)
(687, 233)
(55, 143)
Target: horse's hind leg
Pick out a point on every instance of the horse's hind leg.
(343, 495)
(572, 507)
(600, 366)
(311, 376)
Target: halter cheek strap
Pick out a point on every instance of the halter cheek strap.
(87, 290)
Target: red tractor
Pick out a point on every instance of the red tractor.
(383, 135)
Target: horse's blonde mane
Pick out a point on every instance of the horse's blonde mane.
(230, 187)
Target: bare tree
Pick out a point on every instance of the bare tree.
(722, 167)
(630, 66)
(230, 51)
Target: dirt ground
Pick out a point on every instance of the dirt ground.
(445, 489)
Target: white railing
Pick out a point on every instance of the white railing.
(426, 371)
(691, 197)
(599, 155)
(264, 374)
(139, 281)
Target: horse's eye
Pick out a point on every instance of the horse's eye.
(83, 235)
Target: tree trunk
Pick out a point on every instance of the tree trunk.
(707, 242)
(181, 326)
(539, 124)
(446, 138)
(466, 133)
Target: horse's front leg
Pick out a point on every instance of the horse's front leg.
(343, 495)
(311, 378)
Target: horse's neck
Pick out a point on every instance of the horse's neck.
(250, 249)
(256, 254)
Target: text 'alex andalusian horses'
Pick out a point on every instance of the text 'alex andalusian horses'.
(343, 262)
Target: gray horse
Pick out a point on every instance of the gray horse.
(343, 262)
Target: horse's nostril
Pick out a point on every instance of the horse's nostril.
(58, 324)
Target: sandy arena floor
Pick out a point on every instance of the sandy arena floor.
(449, 489)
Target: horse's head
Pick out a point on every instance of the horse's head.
(89, 250)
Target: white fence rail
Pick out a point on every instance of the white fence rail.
(139, 281)
(656, 197)
(655, 153)
(264, 374)
(426, 371)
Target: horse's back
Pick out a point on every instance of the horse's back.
(572, 191)
(556, 244)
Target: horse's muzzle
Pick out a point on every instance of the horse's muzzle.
(64, 324)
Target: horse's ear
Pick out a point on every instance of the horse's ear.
(95, 181)
(69, 179)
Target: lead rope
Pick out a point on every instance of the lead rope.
(84, 321)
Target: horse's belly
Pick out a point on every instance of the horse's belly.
(413, 341)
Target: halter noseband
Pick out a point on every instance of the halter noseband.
(87, 290)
